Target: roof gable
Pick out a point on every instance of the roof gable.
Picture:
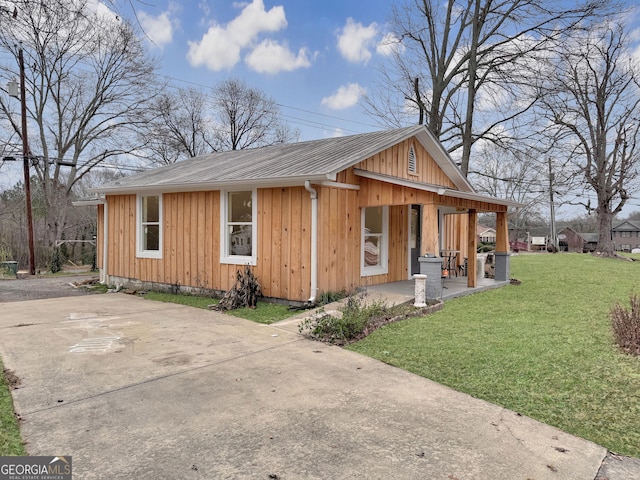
(286, 164)
(627, 226)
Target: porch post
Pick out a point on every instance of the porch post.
(502, 232)
(503, 264)
(430, 243)
(472, 243)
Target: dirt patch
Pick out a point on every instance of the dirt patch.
(13, 382)
(39, 287)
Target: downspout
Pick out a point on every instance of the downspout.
(105, 235)
(314, 241)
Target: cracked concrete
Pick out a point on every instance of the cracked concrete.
(188, 393)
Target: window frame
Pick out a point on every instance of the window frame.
(141, 252)
(383, 268)
(225, 256)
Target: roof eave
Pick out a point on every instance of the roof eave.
(88, 202)
(294, 181)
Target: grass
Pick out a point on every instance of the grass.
(10, 440)
(543, 348)
(266, 313)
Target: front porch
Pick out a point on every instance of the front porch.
(404, 291)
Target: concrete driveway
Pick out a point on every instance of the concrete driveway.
(138, 389)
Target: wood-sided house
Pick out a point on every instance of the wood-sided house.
(309, 217)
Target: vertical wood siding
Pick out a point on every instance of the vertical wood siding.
(394, 161)
(338, 239)
(191, 242)
(284, 242)
(339, 246)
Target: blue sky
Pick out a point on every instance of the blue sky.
(310, 56)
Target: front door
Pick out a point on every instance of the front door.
(415, 227)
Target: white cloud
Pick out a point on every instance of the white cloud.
(220, 47)
(159, 29)
(335, 133)
(355, 41)
(272, 57)
(346, 96)
(389, 45)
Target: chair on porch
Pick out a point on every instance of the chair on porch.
(462, 268)
(449, 260)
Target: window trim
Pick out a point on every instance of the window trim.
(140, 251)
(383, 268)
(224, 238)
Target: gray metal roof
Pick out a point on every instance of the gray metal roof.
(285, 164)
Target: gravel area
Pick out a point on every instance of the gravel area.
(35, 288)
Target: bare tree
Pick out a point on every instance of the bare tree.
(179, 127)
(467, 64)
(246, 117)
(514, 175)
(88, 88)
(592, 98)
(506, 173)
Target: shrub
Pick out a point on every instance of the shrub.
(329, 297)
(244, 293)
(56, 260)
(626, 325)
(348, 325)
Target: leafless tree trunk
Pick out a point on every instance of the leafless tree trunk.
(246, 117)
(591, 97)
(474, 59)
(88, 90)
(179, 127)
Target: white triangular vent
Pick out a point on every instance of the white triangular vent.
(412, 160)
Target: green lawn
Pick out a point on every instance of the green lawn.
(543, 348)
(10, 440)
(264, 313)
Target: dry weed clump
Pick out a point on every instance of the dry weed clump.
(626, 325)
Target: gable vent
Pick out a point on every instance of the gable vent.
(412, 160)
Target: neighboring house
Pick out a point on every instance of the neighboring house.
(309, 217)
(626, 235)
(571, 241)
(486, 234)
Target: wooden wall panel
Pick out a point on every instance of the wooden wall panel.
(394, 161)
(339, 239)
(284, 223)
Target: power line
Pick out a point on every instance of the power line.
(282, 105)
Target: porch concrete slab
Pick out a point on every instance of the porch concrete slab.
(451, 288)
(189, 393)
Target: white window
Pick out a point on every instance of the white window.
(412, 160)
(238, 214)
(375, 235)
(149, 226)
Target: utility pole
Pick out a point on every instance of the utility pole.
(554, 235)
(26, 154)
(26, 157)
